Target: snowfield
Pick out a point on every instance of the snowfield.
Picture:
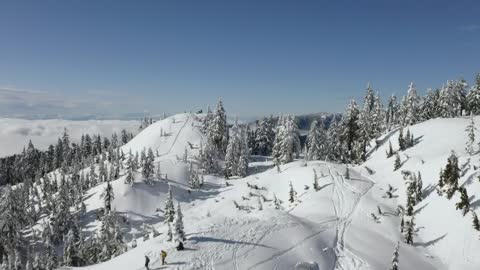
(15, 133)
(331, 228)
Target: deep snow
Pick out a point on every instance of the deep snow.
(331, 228)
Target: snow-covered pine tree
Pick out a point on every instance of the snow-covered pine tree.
(130, 178)
(476, 223)
(419, 186)
(391, 117)
(378, 117)
(464, 203)
(218, 131)
(412, 106)
(108, 197)
(291, 193)
(148, 167)
(193, 180)
(314, 145)
(349, 132)
(334, 144)
(264, 136)
(473, 97)
(449, 176)
(471, 136)
(206, 120)
(398, 163)
(409, 230)
(178, 228)
(452, 98)
(287, 140)
(244, 155)
(401, 140)
(233, 151)
(395, 258)
(169, 209)
(206, 157)
(430, 107)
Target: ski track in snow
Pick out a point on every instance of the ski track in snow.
(176, 136)
(344, 209)
(325, 226)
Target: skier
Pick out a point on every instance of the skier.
(164, 255)
(147, 261)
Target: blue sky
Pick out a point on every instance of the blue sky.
(114, 58)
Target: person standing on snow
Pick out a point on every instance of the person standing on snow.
(164, 255)
(147, 261)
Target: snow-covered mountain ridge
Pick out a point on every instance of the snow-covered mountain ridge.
(332, 227)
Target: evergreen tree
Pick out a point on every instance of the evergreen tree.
(233, 151)
(452, 98)
(148, 167)
(130, 177)
(169, 209)
(476, 223)
(178, 229)
(291, 193)
(108, 197)
(206, 157)
(391, 117)
(264, 136)
(473, 97)
(430, 107)
(314, 143)
(409, 231)
(218, 131)
(464, 203)
(412, 106)
(471, 136)
(287, 141)
(206, 120)
(398, 163)
(193, 181)
(419, 186)
(349, 131)
(124, 137)
(401, 140)
(395, 258)
(449, 176)
(334, 143)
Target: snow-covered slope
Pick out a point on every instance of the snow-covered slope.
(441, 228)
(331, 228)
(15, 133)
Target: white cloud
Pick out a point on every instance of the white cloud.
(27, 103)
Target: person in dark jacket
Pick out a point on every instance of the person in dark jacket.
(147, 261)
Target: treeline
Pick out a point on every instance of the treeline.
(32, 163)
